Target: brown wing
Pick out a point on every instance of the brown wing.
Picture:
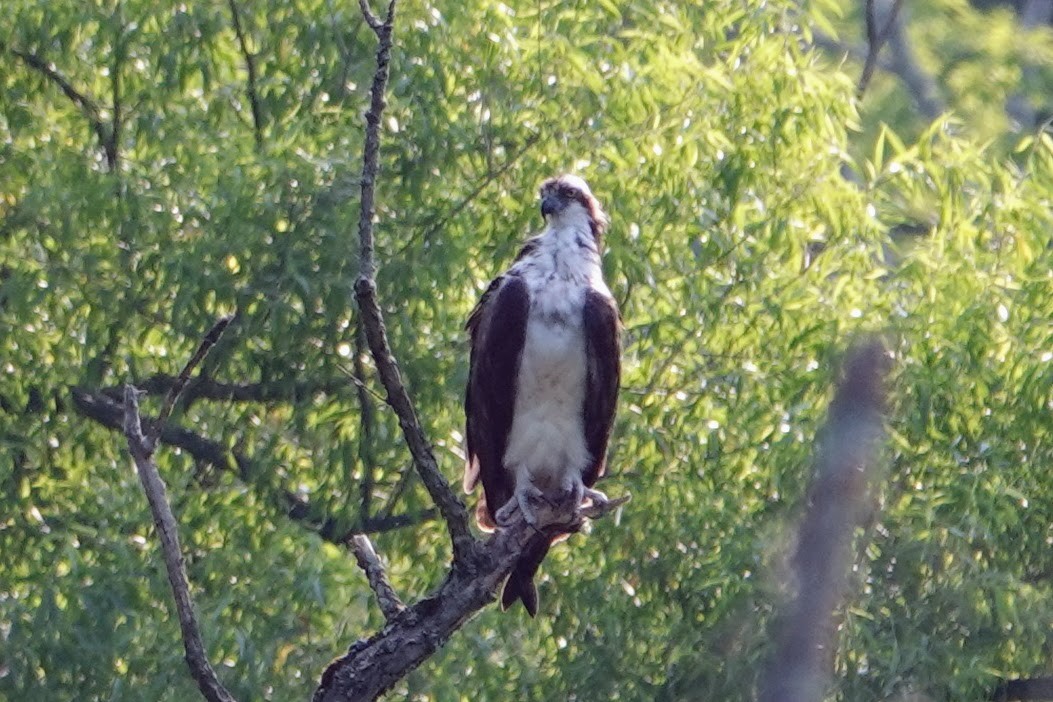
(497, 328)
(603, 351)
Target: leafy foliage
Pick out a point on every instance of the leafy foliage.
(741, 256)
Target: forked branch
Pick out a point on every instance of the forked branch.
(142, 446)
(450, 506)
(372, 666)
(369, 562)
(196, 657)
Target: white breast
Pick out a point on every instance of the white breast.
(547, 440)
(546, 445)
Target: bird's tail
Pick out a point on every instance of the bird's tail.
(520, 584)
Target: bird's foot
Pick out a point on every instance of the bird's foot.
(520, 501)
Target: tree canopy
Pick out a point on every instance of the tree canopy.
(163, 164)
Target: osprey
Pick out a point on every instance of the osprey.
(543, 377)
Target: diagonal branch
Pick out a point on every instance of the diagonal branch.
(177, 387)
(372, 666)
(250, 67)
(877, 35)
(141, 449)
(369, 562)
(798, 670)
(451, 508)
(88, 107)
(372, 20)
(110, 413)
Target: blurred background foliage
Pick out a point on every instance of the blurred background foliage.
(162, 164)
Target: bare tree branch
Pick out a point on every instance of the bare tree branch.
(450, 506)
(1040, 688)
(202, 387)
(141, 449)
(250, 67)
(371, 19)
(798, 671)
(110, 413)
(177, 387)
(878, 32)
(374, 665)
(369, 562)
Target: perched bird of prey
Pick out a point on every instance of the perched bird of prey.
(544, 375)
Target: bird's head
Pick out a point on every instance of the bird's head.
(569, 195)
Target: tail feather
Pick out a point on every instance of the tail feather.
(520, 584)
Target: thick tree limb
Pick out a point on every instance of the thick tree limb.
(798, 671)
(1040, 688)
(105, 410)
(369, 562)
(450, 506)
(373, 666)
(141, 448)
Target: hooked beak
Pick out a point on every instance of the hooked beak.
(549, 205)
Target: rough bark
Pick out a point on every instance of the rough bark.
(372, 666)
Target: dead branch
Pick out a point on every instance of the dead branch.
(177, 387)
(369, 562)
(141, 449)
(102, 408)
(450, 506)
(837, 503)
(372, 666)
